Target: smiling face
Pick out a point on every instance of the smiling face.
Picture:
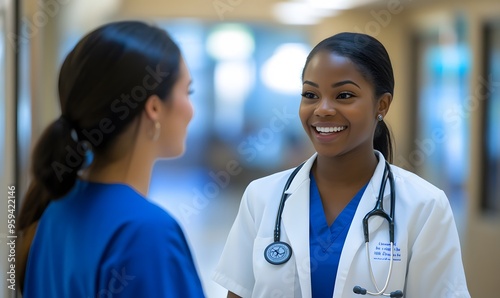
(338, 108)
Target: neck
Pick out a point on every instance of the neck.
(128, 160)
(347, 170)
(128, 170)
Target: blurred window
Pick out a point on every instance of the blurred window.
(444, 103)
(490, 88)
(244, 77)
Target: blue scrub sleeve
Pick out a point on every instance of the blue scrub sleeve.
(149, 259)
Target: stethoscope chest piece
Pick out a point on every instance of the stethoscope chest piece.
(278, 253)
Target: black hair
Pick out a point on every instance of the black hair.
(103, 86)
(373, 61)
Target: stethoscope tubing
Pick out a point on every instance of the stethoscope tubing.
(379, 206)
(284, 196)
(279, 252)
(379, 292)
(377, 211)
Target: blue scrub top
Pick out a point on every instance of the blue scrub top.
(106, 240)
(326, 243)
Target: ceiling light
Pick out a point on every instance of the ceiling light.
(300, 13)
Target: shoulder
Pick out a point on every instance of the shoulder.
(133, 207)
(144, 227)
(267, 189)
(276, 180)
(416, 189)
(411, 179)
(262, 196)
(270, 188)
(126, 213)
(146, 215)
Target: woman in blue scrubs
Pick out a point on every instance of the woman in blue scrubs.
(87, 227)
(347, 89)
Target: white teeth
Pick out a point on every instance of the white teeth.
(330, 129)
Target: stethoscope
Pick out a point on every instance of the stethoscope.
(279, 252)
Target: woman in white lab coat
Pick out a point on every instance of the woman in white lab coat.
(348, 87)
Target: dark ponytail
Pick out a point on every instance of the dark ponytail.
(54, 169)
(373, 61)
(382, 141)
(57, 168)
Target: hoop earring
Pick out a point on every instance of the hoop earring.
(156, 135)
(380, 117)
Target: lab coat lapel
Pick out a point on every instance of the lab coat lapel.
(296, 224)
(355, 238)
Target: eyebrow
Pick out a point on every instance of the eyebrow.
(310, 83)
(338, 84)
(342, 83)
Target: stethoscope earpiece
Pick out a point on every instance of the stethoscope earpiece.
(362, 291)
(397, 293)
(359, 290)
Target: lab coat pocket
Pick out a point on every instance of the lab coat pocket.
(273, 281)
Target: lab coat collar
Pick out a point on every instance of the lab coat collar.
(302, 175)
(296, 224)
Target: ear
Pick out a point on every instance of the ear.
(384, 102)
(153, 107)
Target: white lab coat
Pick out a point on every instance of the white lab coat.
(427, 262)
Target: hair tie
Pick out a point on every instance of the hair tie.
(74, 134)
